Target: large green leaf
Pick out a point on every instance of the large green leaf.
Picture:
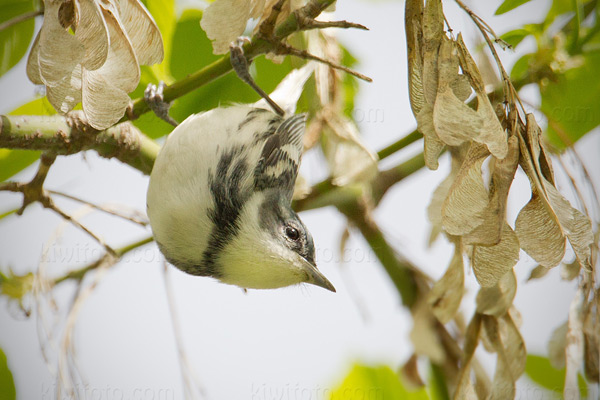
(188, 53)
(374, 383)
(14, 41)
(571, 102)
(13, 161)
(163, 12)
(510, 5)
(229, 89)
(7, 385)
(560, 7)
(540, 370)
(192, 51)
(191, 48)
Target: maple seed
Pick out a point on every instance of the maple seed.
(98, 65)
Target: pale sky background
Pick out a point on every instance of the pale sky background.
(296, 342)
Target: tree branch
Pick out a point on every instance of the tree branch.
(67, 135)
(20, 18)
(223, 66)
(389, 177)
(325, 193)
(401, 272)
(79, 274)
(35, 192)
(297, 19)
(399, 144)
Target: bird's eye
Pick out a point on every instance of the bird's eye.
(292, 233)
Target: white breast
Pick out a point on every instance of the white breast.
(178, 193)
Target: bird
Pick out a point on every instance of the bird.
(219, 199)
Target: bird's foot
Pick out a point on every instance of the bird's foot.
(240, 65)
(153, 95)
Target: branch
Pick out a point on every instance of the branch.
(389, 177)
(223, 65)
(297, 20)
(79, 274)
(68, 135)
(34, 191)
(325, 193)
(401, 272)
(20, 18)
(136, 219)
(400, 144)
(281, 48)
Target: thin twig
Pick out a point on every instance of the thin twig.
(575, 186)
(79, 274)
(484, 28)
(587, 176)
(285, 49)
(308, 24)
(399, 144)
(571, 148)
(267, 27)
(222, 66)
(46, 201)
(67, 365)
(78, 224)
(104, 209)
(481, 22)
(349, 282)
(191, 384)
(401, 272)
(20, 18)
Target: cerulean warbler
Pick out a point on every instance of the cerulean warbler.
(219, 199)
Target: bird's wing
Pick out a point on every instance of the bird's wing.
(280, 157)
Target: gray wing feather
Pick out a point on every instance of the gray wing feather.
(280, 157)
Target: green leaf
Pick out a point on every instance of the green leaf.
(571, 102)
(191, 51)
(437, 384)
(521, 68)
(515, 37)
(509, 5)
(374, 383)
(7, 384)
(16, 286)
(560, 7)
(14, 161)
(163, 12)
(540, 370)
(14, 41)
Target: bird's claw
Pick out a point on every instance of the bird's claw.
(153, 95)
(240, 64)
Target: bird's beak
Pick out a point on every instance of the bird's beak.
(315, 277)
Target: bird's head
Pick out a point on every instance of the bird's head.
(273, 248)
